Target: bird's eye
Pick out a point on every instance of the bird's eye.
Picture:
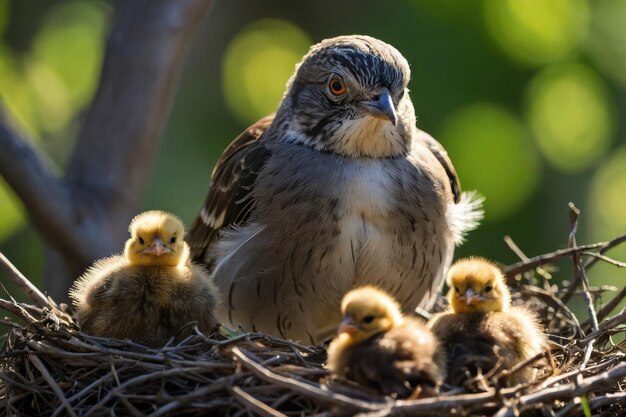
(336, 86)
(488, 288)
(368, 319)
(173, 239)
(141, 240)
(457, 289)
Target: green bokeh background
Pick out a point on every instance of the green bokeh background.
(528, 96)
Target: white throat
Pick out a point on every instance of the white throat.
(368, 137)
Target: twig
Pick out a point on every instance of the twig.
(52, 383)
(606, 309)
(581, 276)
(309, 390)
(594, 403)
(523, 266)
(605, 247)
(520, 254)
(565, 391)
(23, 283)
(255, 405)
(606, 259)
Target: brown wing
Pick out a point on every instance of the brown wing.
(233, 178)
(442, 156)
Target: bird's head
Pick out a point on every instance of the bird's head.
(156, 238)
(349, 95)
(368, 311)
(477, 285)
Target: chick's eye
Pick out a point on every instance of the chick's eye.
(368, 319)
(336, 86)
(173, 239)
(457, 289)
(141, 240)
(488, 288)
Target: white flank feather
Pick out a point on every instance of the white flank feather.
(465, 215)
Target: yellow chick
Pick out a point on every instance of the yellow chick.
(383, 351)
(151, 291)
(483, 330)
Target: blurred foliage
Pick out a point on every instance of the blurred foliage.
(527, 96)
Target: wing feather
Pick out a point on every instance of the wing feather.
(228, 202)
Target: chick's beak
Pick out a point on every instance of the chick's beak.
(382, 108)
(470, 297)
(347, 326)
(156, 248)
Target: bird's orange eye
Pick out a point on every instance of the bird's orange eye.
(141, 240)
(336, 86)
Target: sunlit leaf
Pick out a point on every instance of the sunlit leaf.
(71, 43)
(11, 212)
(258, 64)
(537, 31)
(571, 115)
(607, 39)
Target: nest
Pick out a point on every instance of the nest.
(48, 367)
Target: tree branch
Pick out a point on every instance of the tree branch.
(84, 215)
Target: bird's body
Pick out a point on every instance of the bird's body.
(333, 192)
(394, 357)
(143, 295)
(483, 331)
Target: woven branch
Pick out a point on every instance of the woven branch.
(48, 367)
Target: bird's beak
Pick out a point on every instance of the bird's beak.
(156, 248)
(347, 326)
(470, 297)
(382, 108)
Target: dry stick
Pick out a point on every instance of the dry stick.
(582, 276)
(609, 323)
(601, 249)
(611, 304)
(309, 390)
(516, 249)
(546, 258)
(11, 307)
(594, 403)
(23, 283)
(51, 382)
(137, 380)
(566, 391)
(604, 248)
(606, 259)
(255, 405)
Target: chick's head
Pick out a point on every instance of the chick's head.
(477, 286)
(368, 311)
(156, 238)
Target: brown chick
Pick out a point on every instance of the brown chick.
(151, 291)
(381, 350)
(483, 330)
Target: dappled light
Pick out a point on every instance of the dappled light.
(258, 64)
(489, 147)
(11, 212)
(607, 200)
(537, 31)
(607, 39)
(571, 115)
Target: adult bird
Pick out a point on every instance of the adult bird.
(337, 189)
